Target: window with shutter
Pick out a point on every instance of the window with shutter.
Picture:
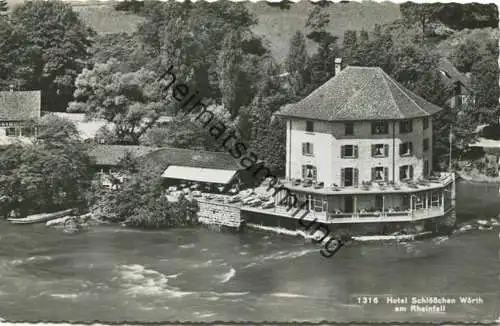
(307, 149)
(378, 173)
(349, 151)
(411, 172)
(406, 149)
(342, 177)
(342, 151)
(380, 150)
(386, 174)
(386, 150)
(355, 177)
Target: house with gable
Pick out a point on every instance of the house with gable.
(17, 110)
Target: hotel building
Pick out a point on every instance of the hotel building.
(359, 150)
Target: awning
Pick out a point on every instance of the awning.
(199, 174)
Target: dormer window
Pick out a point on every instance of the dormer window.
(380, 128)
(309, 126)
(405, 126)
(426, 123)
(349, 128)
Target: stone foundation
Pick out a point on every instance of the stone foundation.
(219, 215)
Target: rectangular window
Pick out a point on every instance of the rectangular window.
(425, 144)
(307, 149)
(308, 172)
(405, 126)
(380, 150)
(406, 149)
(349, 177)
(426, 123)
(349, 129)
(406, 173)
(380, 173)
(309, 126)
(380, 128)
(349, 151)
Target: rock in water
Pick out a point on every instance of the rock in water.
(483, 222)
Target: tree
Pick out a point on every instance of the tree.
(316, 25)
(56, 41)
(322, 63)
(189, 36)
(131, 101)
(484, 80)
(184, 131)
(297, 62)
(140, 202)
(50, 175)
(349, 46)
(466, 55)
(421, 13)
(123, 47)
(230, 80)
(52, 130)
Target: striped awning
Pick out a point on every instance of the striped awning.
(199, 174)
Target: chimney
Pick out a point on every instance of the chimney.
(338, 65)
(11, 88)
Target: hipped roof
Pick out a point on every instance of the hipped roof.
(360, 93)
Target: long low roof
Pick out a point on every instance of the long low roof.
(199, 174)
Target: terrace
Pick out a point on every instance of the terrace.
(431, 183)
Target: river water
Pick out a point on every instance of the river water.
(117, 274)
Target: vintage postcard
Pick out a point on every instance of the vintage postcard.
(243, 162)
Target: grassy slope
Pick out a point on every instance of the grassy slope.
(276, 25)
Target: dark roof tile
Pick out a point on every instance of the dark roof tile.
(360, 93)
(192, 158)
(19, 105)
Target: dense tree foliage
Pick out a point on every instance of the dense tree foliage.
(51, 43)
(140, 201)
(297, 63)
(131, 101)
(50, 175)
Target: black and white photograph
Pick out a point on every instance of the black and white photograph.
(249, 162)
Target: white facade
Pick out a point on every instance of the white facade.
(324, 151)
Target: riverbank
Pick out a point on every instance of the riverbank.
(475, 177)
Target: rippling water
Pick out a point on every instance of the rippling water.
(116, 274)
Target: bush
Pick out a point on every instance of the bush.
(491, 172)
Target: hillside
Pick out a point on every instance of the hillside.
(278, 26)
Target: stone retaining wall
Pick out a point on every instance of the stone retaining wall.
(219, 214)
